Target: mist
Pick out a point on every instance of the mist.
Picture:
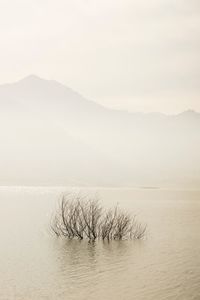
(131, 55)
(51, 135)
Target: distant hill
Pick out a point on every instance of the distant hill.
(51, 135)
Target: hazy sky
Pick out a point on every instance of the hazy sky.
(132, 54)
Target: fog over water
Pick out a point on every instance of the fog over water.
(52, 136)
(101, 98)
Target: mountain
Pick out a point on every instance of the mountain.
(37, 146)
(51, 135)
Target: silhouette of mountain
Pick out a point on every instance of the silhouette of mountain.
(52, 135)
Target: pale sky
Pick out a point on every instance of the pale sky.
(138, 55)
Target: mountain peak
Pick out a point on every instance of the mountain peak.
(189, 113)
(32, 77)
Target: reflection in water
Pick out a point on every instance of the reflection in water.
(35, 265)
(97, 265)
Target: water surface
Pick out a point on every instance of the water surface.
(36, 265)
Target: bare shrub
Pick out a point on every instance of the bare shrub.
(77, 217)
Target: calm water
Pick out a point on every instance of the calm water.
(35, 265)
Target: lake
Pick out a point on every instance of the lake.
(35, 264)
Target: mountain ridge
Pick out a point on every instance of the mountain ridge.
(40, 120)
(32, 78)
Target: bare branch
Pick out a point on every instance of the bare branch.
(84, 218)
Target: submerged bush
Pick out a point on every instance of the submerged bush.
(77, 217)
